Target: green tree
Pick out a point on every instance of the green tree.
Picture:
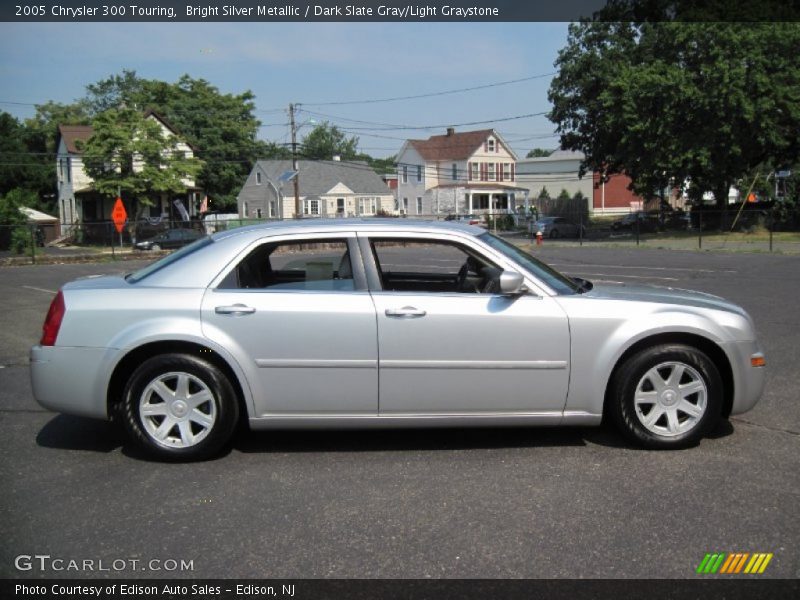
(675, 101)
(14, 230)
(222, 127)
(130, 154)
(538, 153)
(563, 195)
(326, 141)
(544, 194)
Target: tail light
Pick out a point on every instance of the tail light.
(52, 323)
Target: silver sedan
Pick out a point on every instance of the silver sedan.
(377, 323)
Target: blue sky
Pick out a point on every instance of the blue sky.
(309, 63)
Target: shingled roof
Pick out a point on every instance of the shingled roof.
(72, 133)
(451, 146)
(318, 177)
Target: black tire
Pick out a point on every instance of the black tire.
(622, 407)
(554, 234)
(222, 404)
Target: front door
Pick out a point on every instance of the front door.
(449, 344)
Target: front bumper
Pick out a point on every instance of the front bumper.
(66, 379)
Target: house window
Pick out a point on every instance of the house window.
(419, 205)
(405, 173)
(404, 207)
(69, 169)
(258, 213)
(490, 171)
(258, 178)
(506, 171)
(273, 208)
(244, 209)
(419, 172)
(61, 168)
(311, 207)
(473, 170)
(367, 206)
(454, 174)
(491, 145)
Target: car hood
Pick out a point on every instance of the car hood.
(662, 295)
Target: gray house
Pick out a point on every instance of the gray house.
(327, 189)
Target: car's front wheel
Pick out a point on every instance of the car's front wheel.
(179, 407)
(666, 396)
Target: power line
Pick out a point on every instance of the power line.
(432, 94)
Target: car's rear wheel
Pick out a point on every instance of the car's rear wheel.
(554, 234)
(666, 396)
(179, 407)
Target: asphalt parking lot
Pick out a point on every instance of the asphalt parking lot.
(487, 503)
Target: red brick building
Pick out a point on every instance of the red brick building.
(613, 196)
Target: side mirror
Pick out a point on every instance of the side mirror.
(512, 283)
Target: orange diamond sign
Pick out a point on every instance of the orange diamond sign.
(119, 215)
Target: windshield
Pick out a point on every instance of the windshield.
(561, 284)
(167, 260)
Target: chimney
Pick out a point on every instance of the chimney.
(337, 158)
(451, 130)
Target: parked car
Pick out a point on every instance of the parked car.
(556, 227)
(386, 323)
(647, 223)
(173, 238)
(468, 219)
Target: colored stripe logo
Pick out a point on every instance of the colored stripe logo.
(734, 563)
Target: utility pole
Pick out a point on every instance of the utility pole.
(298, 210)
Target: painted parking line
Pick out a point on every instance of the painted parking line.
(30, 287)
(568, 265)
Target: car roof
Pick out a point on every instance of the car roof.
(321, 225)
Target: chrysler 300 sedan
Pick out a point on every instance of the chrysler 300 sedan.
(377, 323)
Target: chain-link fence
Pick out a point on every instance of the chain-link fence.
(751, 228)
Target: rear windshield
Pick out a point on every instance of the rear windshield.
(167, 260)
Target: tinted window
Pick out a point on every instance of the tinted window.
(413, 265)
(321, 265)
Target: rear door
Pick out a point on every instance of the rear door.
(297, 313)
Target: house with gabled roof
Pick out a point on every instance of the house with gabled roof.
(472, 172)
(78, 202)
(327, 188)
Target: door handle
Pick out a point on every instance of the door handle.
(236, 309)
(407, 312)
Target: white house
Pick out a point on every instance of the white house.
(327, 188)
(458, 173)
(79, 202)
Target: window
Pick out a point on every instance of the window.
(312, 265)
(419, 172)
(506, 171)
(454, 174)
(413, 265)
(258, 213)
(405, 173)
(258, 178)
(367, 206)
(273, 208)
(340, 206)
(491, 145)
(69, 169)
(244, 209)
(490, 171)
(405, 206)
(473, 170)
(419, 205)
(311, 207)
(61, 168)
